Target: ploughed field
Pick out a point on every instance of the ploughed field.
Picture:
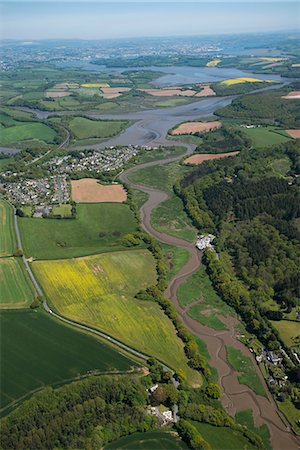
(90, 190)
(98, 227)
(99, 292)
(200, 158)
(16, 289)
(7, 236)
(38, 350)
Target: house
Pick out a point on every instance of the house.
(205, 241)
(274, 358)
(153, 388)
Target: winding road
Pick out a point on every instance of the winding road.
(151, 129)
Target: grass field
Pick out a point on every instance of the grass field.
(63, 210)
(150, 440)
(98, 227)
(245, 417)
(38, 350)
(16, 290)
(27, 131)
(289, 331)
(175, 257)
(265, 136)
(7, 232)
(291, 413)
(223, 438)
(83, 128)
(198, 288)
(244, 365)
(170, 216)
(99, 291)
(171, 102)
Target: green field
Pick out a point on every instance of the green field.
(150, 440)
(170, 216)
(265, 136)
(289, 331)
(245, 417)
(208, 305)
(27, 131)
(98, 227)
(171, 102)
(7, 232)
(63, 210)
(16, 290)
(223, 438)
(291, 413)
(175, 257)
(245, 366)
(83, 128)
(99, 291)
(38, 350)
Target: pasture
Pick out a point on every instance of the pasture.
(7, 232)
(90, 190)
(38, 350)
(150, 440)
(63, 210)
(98, 227)
(83, 128)
(265, 136)
(289, 332)
(244, 365)
(99, 291)
(16, 289)
(27, 131)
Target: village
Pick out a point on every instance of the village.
(109, 159)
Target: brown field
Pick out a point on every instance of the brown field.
(195, 127)
(206, 91)
(88, 190)
(67, 85)
(55, 94)
(292, 95)
(200, 158)
(109, 92)
(169, 92)
(294, 133)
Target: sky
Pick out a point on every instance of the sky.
(50, 19)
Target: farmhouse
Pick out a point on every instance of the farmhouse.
(205, 241)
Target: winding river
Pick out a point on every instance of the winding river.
(150, 128)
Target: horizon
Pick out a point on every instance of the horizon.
(97, 20)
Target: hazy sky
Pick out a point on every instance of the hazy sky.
(98, 19)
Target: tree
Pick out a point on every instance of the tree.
(213, 390)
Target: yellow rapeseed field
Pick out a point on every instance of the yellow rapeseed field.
(99, 291)
(213, 63)
(95, 85)
(232, 81)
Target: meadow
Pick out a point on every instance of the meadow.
(207, 305)
(150, 440)
(27, 131)
(223, 438)
(169, 217)
(83, 128)
(16, 289)
(245, 417)
(7, 232)
(38, 351)
(244, 365)
(265, 136)
(98, 227)
(289, 331)
(99, 291)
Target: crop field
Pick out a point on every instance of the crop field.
(83, 128)
(232, 81)
(205, 304)
(38, 350)
(95, 85)
(7, 233)
(295, 134)
(195, 127)
(99, 291)
(213, 63)
(27, 131)
(289, 332)
(244, 365)
(265, 136)
(90, 190)
(150, 440)
(16, 290)
(200, 158)
(223, 438)
(98, 227)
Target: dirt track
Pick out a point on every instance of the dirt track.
(235, 397)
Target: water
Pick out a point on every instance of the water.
(176, 75)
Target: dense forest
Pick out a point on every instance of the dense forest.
(223, 140)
